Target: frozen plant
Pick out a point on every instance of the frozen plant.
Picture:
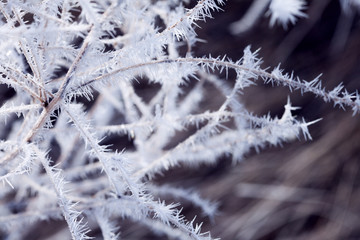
(74, 67)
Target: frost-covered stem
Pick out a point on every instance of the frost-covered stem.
(32, 61)
(200, 4)
(69, 74)
(100, 153)
(77, 230)
(7, 17)
(60, 93)
(89, 139)
(4, 110)
(266, 76)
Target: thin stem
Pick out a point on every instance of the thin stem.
(216, 63)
